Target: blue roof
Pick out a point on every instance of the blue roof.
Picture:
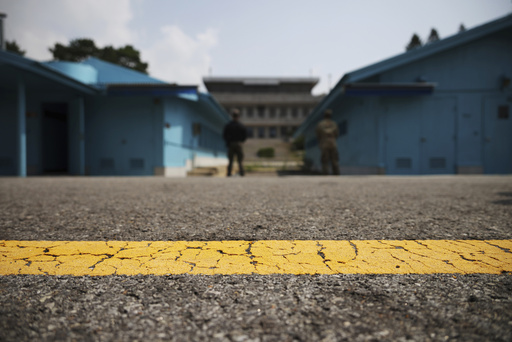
(403, 59)
(429, 49)
(94, 71)
(10, 60)
(109, 73)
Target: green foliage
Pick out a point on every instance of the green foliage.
(266, 152)
(298, 144)
(14, 47)
(80, 49)
(434, 36)
(414, 43)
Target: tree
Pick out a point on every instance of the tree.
(434, 36)
(80, 49)
(14, 48)
(462, 28)
(414, 43)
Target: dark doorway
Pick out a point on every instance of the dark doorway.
(55, 138)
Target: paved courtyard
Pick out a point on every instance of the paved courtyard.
(465, 306)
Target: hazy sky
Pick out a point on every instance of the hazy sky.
(184, 40)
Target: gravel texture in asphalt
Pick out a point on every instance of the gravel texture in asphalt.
(257, 307)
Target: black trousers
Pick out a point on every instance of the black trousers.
(235, 150)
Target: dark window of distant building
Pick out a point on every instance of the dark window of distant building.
(272, 132)
(305, 111)
(272, 112)
(284, 131)
(250, 132)
(295, 112)
(503, 112)
(343, 127)
(249, 112)
(261, 112)
(283, 112)
(196, 128)
(261, 132)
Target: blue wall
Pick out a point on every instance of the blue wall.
(120, 136)
(454, 130)
(36, 142)
(180, 142)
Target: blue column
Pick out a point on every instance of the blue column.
(382, 139)
(22, 133)
(81, 135)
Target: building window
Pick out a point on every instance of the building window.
(249, 112)
(343, 127)
(503, 112)
(196, 128)
(437, 163)
(272, 132)
(261, 111)
(261, 132)
(283, 113)
(272, 112)
(250, 132)
(107, 164)
(305, 111)
(284, 131)
(295, 112)
(403, 163)
(136, 163)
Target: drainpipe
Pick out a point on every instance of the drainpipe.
(2, 42)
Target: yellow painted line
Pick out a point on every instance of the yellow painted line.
(100, 258)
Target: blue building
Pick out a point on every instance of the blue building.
(97, 118)
(443, 108)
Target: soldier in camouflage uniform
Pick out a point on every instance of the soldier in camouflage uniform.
(327, 132)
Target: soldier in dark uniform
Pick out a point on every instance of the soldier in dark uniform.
(327, 132)
(234, 135)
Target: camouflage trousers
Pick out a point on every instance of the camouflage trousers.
(330, 156)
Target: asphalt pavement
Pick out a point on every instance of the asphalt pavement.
(255, 307)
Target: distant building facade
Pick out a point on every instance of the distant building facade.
(271, 108)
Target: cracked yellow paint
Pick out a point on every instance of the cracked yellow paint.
(100, 258)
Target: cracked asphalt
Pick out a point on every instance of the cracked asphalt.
(256, 307)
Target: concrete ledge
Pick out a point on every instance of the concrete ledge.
(362, 170)
(470, 170)
(171, 171)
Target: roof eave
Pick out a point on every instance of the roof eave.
(430, 49)
(407, 57)
(40, 69)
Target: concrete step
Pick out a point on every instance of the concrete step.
(203, 172)
(208, 171)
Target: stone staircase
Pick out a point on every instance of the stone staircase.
(208, 171)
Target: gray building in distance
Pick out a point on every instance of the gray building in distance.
(270, 107)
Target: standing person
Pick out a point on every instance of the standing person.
(234, 135)
(327, 132)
